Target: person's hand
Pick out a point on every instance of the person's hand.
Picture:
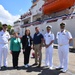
(46, 46)
(10, 52)
(40, 47)
(23, 51)
(33, 48)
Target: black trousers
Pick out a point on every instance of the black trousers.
(15, 55)
(27, 55)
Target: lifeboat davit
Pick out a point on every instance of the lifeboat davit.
(52, 6)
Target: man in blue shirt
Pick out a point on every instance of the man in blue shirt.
(37, 42)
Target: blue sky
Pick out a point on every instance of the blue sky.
(10, 10)
(16, 6)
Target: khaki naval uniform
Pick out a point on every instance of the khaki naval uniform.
(49, 51)
(63, 48)
(4, 37)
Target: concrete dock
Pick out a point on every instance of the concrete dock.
(33, 70)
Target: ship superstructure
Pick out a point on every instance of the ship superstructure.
(49, 12)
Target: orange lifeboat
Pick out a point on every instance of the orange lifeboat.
(52, 6)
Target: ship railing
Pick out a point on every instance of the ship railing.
(63, 17)
(31, 23)
(25, 15)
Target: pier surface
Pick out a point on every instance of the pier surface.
(33, 70)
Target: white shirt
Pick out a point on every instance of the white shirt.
(48, 37)
(28, 40)
(63, 37)
(4, 37)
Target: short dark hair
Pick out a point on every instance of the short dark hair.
(36, 27)
(48, 27)
(4, 25)
(62, 24)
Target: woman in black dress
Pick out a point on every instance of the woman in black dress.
(26, 44)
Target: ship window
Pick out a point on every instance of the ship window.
(38, 19)
(26, 22)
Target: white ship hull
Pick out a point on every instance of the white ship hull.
(35, 15)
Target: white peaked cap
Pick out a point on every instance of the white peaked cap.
(49, 26)
(63, 22)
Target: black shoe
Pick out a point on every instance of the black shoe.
(34, 64)
(15, 67)
(0, 68)
(4, 66)
(39, 66)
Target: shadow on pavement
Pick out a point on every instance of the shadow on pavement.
(11, 68)
(41, 70)
(7, 68)
(50, 72)
(34, 69)
(44, 71)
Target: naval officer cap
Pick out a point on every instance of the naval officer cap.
(62, 24)
(48, 26)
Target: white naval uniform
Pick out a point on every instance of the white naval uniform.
(49, 51)
(4, 37)
(63, 47)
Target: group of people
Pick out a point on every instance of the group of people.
(26, 43)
